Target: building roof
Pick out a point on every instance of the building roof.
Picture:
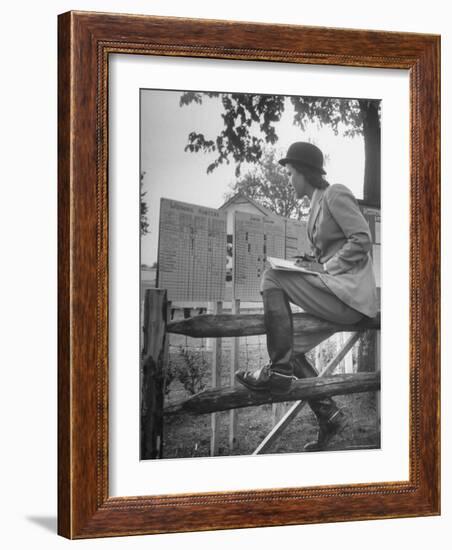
(240, 198)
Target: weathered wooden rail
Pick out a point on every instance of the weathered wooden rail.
(224, 325)
(223, 399)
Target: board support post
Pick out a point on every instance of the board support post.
(234, 365)
(216, 382)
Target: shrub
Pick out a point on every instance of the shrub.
(192, 370)
(170, 373)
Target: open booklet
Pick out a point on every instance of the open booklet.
(288, 265)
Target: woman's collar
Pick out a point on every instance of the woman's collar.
(318, 193)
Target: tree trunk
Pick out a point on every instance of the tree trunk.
(372, 152)
(371, 195)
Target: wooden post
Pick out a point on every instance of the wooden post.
(378, 368)
(166, 352)
(152, 364)
(277, 413)
(235, 349)
(216, 382)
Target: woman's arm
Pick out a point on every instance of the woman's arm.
(345, 210)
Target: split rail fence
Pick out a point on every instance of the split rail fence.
(220, 325)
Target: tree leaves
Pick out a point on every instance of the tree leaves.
(242, 114)
(268, 183)
(249, 125)
(144, 224)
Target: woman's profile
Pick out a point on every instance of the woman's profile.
(344, 290)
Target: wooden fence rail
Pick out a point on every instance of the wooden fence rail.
(223, 399)
(226, 325)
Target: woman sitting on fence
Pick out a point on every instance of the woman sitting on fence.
(344, 292)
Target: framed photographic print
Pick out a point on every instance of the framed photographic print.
(248, 275)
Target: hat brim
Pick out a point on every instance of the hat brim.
(288, 160)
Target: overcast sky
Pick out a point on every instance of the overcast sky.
(172, 173)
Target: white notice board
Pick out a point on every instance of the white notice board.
(192, 252)
(255, 238)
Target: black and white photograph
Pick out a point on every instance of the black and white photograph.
(260, 229)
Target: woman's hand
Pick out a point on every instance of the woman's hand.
(309, 262)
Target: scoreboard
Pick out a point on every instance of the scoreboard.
(192, 252)
(256, 237)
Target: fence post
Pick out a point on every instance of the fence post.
(152, 368)
(378, 369)
(216, 381)
(235, 348)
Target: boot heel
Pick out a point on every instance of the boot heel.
(328, 430)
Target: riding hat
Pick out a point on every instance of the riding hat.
(304, 153)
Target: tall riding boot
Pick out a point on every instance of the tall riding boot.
(277, 376)
(332, 420)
